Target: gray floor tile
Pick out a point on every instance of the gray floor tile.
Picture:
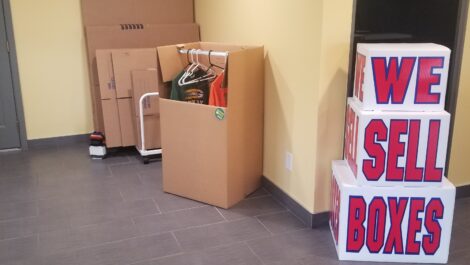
(220, 234)
(129, 251)
(57, 206)
(165, 222)
(238, 254)
(252, 207)
(62, 240)
(11, 229)
(18, 249)
(168, 202)
(258, 193)
(12, 210)
(294, 246)
(281, 222)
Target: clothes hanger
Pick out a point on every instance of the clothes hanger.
(210, 74)
(190, 69)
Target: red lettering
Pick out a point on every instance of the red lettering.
(335, 208)
(414, 225)
(391, 81)
(356, 218)
(434, 212)
(376, 224)
(413, 173)
(374, 168)
(351, 130)
(426, 79)
(397, 213)
(431, 172)
(396, 149)
(359, 78)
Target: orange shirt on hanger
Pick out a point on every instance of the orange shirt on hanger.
(218, 94)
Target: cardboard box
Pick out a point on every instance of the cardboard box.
(215, 155)
(126, 119)
(128, 36)
(152, 132)
(125, 61)
(112, 12)
(112, 124)
(107, 84)
(395, 148)
(145, 81)
(411, 77)
(390, 224)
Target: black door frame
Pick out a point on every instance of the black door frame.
(14, 73)
(456, 64)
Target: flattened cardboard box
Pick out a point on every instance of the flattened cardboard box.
(118, 37)
(112, 124)
(115, 12)
(145, 81)
(215, 155)
(107, 84)
(126, 118)
(127, 60)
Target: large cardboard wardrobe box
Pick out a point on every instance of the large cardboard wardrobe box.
(211, 154)
(115, 82)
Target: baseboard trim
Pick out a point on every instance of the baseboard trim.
(57, 141)
(463, 191)
(312, 220)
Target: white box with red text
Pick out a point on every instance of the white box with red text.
(386, 224)
(401, 76)
(396, 148)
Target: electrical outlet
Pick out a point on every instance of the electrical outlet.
(289, 161)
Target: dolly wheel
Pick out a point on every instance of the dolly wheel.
(146, 160)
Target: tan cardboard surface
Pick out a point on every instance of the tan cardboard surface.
(225, 163)
(126, 118)
(105, 70)
(246, 122)
(125, 61)
(117, 37)
(194, 145)
(112, 12)
(152, 132)
(112, 125)
(146, 81)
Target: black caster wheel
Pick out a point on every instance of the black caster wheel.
(146, 160)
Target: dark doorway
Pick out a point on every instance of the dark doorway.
(12, 129)
(395, 21)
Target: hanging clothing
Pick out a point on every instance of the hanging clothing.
(195, 93)
(218, 94)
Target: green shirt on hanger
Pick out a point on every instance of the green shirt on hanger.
(195, 93)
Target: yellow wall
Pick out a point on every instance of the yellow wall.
(459, 172)
(52, 66)
(307, 49)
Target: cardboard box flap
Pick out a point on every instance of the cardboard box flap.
(172, 62)
(112, 12)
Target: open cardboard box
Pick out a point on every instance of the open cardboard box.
(211, 154)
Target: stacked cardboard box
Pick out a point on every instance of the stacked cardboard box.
(390, 199)
(127, 24)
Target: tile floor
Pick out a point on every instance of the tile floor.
(59, 207)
